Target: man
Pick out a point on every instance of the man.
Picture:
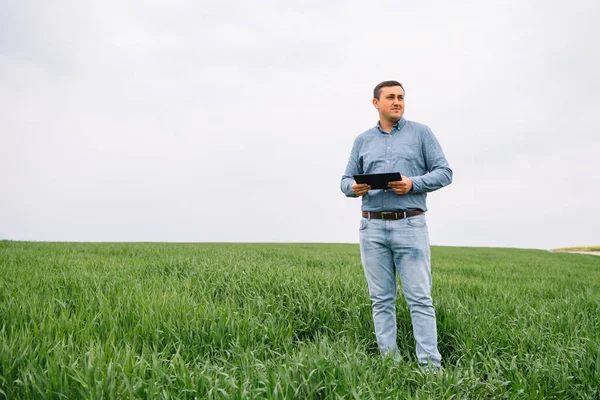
(393, 231)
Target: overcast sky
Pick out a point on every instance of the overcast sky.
(196, 121)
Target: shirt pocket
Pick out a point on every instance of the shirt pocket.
(372, 162)
(408, 151)
(409, 156)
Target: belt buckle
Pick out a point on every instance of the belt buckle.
(383, 213)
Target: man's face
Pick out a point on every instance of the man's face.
(390, 103)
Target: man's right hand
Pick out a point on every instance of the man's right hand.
(360, 188)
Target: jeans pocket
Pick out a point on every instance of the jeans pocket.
(363, 224)
(418, 221)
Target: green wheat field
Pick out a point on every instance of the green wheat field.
(284, 321)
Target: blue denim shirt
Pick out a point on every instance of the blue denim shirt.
(411, 149)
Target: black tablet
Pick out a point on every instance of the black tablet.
(378, 181)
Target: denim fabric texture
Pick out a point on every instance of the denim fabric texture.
(390, 247)
(400, 247)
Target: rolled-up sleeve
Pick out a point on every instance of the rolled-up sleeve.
(439, 173)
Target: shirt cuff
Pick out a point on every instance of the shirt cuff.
(417, 185)
(348, 189)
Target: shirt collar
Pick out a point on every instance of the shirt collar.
(396, 126)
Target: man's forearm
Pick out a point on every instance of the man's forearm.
(434, 180)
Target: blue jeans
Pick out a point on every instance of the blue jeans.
(402, 246)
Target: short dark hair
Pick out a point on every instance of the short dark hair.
(377, 90)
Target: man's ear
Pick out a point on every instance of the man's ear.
(376, 103)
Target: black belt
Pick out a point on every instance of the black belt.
(392, 214)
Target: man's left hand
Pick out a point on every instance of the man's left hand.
(401, 187)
